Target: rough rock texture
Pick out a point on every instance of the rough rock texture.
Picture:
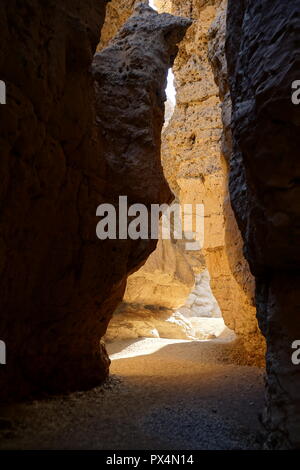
(263, 61)
(117, 13)
(52, 173)
(242, 317)
(197, 170)
(59, 284)
(152, 294)
(165, 280)
(198, 173)
(166, 298)
(142, 52)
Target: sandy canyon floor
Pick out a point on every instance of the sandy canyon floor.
(162, 395)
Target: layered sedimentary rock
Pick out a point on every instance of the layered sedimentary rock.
(242, 317)
(263, 61)
(59, 283)
(166, 280)
(197, 170)
(196, 167)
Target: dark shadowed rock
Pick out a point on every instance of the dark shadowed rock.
(131, 77)
(59, 284)
(263, 60)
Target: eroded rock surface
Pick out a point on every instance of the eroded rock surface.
(196, 166)
(152, 296)
(197, 171)
(117, 13)
(142, 52)
(263, 62)
(60, 284)
(165, 280)
(242, 314)
(52, 174)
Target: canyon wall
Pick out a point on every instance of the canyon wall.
(61, 158)
(196, 164)
(196, 167)
(263, 61)
(243, 311)
(117, 13)
(165, 281)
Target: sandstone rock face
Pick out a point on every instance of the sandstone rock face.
(166, 298)
(163, 5)
(132, 321)
(196, 167)
(165, 280)
(169, 297)
(242, 317)
(197, 171)
(117, 13)
(263, 62)
(59, 283)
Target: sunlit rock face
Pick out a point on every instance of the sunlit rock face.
(163, 5)
(165, 280)
(149, 40)
(240, 313)
(117, 13)
(60, 284)
(196, 168)
(263, 62)
(152, 295)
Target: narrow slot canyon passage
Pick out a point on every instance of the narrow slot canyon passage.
(178, 379)
(113, 338)
(171, 296)
(169, 336)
